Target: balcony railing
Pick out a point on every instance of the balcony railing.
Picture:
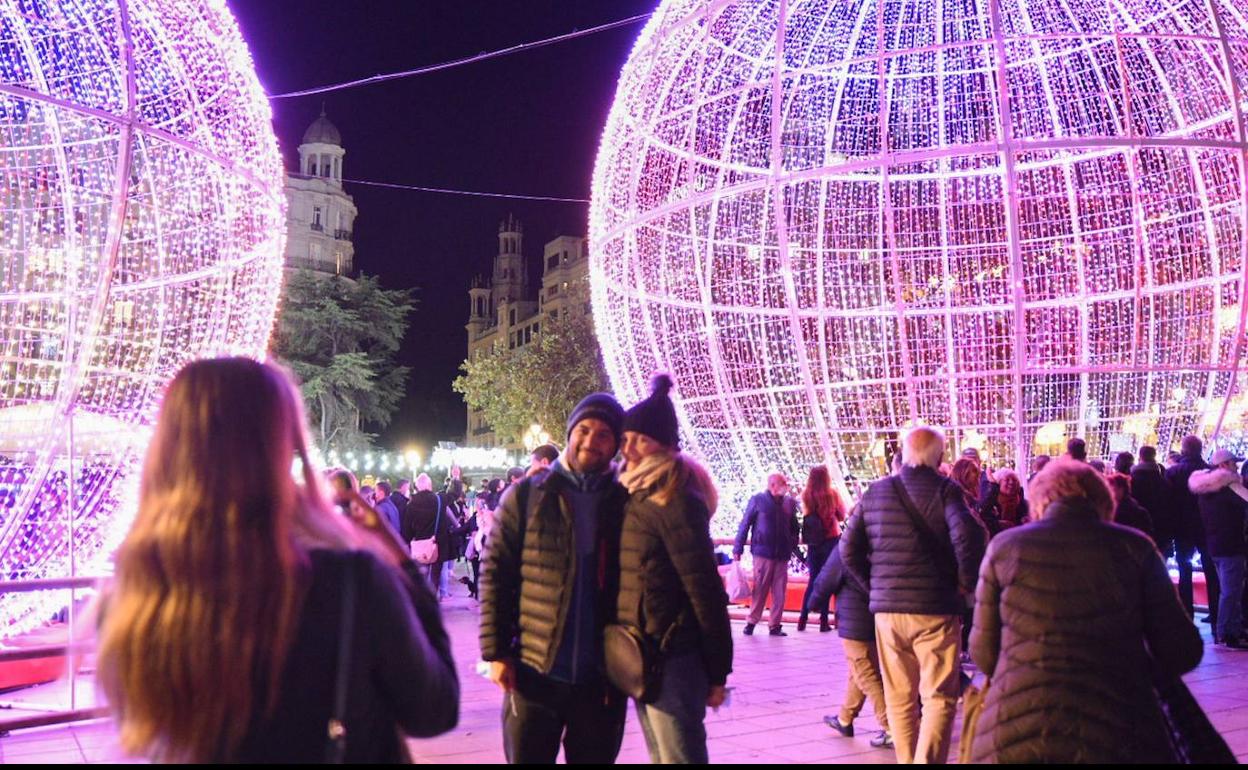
(342, 235)
(317, 226)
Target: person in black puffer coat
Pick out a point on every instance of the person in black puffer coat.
(670, 588)
(918, 578)
(1075, 619)
(856, 626)
(425, 511)
(1189, 530)
(549, 586)
(1221, 497)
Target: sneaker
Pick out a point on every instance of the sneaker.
(777, 631)
(882, 741)
(749, 629)
(834, 721)
(1207, 619)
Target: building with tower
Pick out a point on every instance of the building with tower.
(505, 313)
(320, 216)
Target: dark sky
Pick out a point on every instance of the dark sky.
(526, 123)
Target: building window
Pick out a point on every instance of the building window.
(553, 262)
(511, 317)
(565, 285)
(511, 342)
(316, 218)
(312, 167)
(528, 334)
(536, 327)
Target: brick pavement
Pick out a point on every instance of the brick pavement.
(783, 687)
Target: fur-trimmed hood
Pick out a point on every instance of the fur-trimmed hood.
(1215, 480)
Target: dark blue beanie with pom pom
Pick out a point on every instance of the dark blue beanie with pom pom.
(655, 416)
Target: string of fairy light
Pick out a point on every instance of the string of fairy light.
(1061, 255)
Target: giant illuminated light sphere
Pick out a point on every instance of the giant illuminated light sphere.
(141, 227)
(1022, 221)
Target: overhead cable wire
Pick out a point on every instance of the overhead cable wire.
(448, 191)
(381, 78)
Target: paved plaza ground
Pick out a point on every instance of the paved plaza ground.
(783, 687)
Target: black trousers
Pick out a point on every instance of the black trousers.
(1184, 549)
(816, 557)
(541, 712)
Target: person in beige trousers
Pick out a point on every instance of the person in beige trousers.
(917, 548)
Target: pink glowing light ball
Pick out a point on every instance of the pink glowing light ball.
(141, 227)
(1023, 222)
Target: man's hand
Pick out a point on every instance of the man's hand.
(503, 674)
(717, 696)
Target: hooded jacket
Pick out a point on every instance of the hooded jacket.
(1221, 497)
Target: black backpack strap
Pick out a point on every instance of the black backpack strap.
(336, 732)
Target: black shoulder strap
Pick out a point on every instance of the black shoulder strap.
(919, 521)
(336, 748)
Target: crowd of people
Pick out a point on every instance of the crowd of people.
(261, 616)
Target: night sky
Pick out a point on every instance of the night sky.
(524, 123)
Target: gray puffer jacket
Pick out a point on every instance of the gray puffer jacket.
(1074, 617)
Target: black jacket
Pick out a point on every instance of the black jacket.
(904, 571)
(814, 534)
(1129, 513)
(401, 670)
(1152, 492)
(1184, 512)
(419, 518)
(853, 615)
(1221, 510)
(775, 527)
(668, 569)
(527, 574)
(1073, 618)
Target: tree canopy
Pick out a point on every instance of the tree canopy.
(340, 336)
(538, 383)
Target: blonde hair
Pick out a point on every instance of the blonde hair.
(210, 578)
(1066, 480)
(922, 446)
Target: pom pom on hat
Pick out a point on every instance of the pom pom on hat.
(655, 416)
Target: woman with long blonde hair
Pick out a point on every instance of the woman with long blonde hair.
(823, 511)
(220, 635)
(670, 589)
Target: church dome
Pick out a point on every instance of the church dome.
(322, 132)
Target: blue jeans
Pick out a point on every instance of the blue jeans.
(1230, 603)
(673, 724)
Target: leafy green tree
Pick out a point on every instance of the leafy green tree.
(340, 336)
(538, 383)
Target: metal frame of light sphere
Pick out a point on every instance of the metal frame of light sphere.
(141, 227)
(1021, 220)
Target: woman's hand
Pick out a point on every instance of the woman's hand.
(718, 694)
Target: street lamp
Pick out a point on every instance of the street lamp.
(535, 437)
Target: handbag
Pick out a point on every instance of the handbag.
(336, 729)
(634, 664)
(973, 699)
(1194, 738)
(426, 551)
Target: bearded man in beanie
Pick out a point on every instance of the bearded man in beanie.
(549, 585)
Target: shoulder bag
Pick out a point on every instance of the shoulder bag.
(336, 730)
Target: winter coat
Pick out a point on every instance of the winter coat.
(775, 527)
(1184, 511)
(903, 569)
(1150, 490)
(668, 571)
(1129, 513)
(853, 617)
(401, 670)
(1221, 497)
(1073, 619)
(419, 518)
(529, 569)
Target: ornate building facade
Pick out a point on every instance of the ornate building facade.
(506, 312)
(320, 215)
